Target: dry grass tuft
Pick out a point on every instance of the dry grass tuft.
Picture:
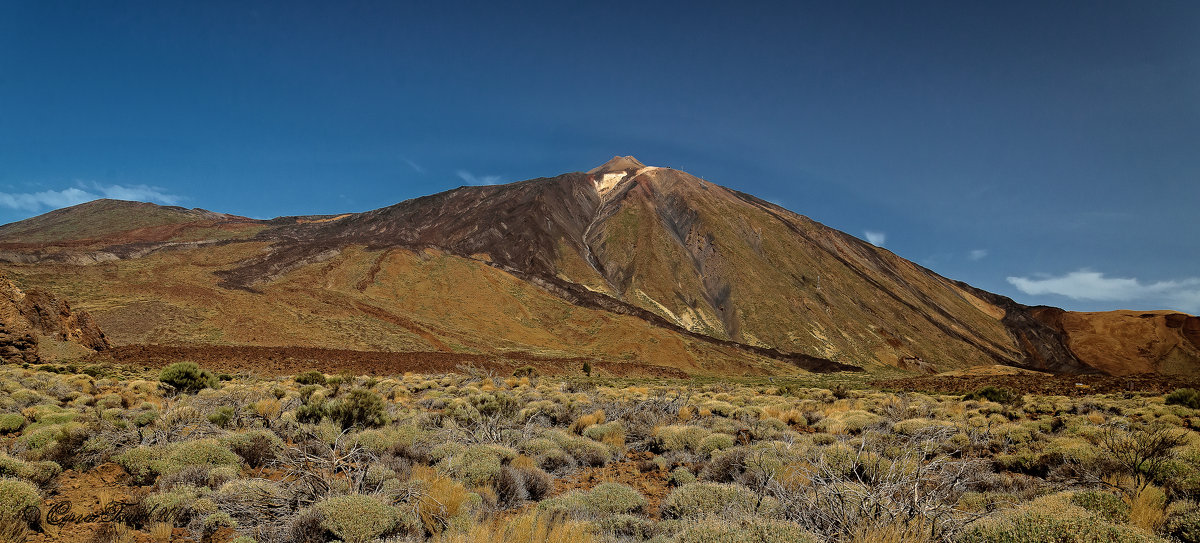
(268, 409)
(596, 417)
(1148, 508)
(161, 531)
(442, 500)
(527, 528)
(898, 531)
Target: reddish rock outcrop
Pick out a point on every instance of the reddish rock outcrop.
(24, 316)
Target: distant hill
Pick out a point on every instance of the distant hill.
(624, 262)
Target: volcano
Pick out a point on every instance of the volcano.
(623, 263)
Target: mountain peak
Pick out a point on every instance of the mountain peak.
(618, 164)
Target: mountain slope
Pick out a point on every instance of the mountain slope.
(623, 262)
(1130, 342)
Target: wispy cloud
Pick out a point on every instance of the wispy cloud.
(875, 238)
(416, 167)
(84, 192)
(977, 254)
(142, 193)
(472, 179)
(1085, 284)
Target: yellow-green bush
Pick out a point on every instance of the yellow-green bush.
(582, 449)
(713, 443)
(473, 465)
(38, 473)
(187, 377)
(256, 447)
(699, 500)
(853, 421)
(534, 527)
(147, 462)
(1183, 521)
(11, 422)
(681, 476)
(627, 526)
(745, 530)
(1051, 519)
(15, 497)
(180, 505)
(359, 518)
(912, 427)
(609, 432)
(1108, 505)
(41, 440)
(680, 437)
(604, 499)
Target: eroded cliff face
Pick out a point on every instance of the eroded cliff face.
(30, 320)
(17, 342)
(1129, 342)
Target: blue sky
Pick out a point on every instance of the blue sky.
(1048, 151)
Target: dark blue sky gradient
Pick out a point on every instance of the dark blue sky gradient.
(1055, 136)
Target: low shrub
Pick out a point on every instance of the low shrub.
(602, 500)
(11, 422)
(475, 465)
(745, 530)
(581, 449)
(990, 393)
(358, 518)
(715, 442)
(310, 377)
(15, 497)
(359, 408)
(681, 476)
(187, 377)
(1183, 521)
(627, 526)
(679, 437)
(253, 500)
(443, 502)
(256, 447)
(180, 504)
(516, 484)
(216, 521)
(1187, 397)
(1050, 519)
(222, 416)
(699, 500)
(584, 421)
(145, 463)
(533, 527)
(611, 433)
(38, 473)
(390, 438)
(311, 412)
(1106, 504)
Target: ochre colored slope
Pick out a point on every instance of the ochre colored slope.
(375, 300)
(1131, 342)
(729, 265)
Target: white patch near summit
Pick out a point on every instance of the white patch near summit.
(609, 180)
